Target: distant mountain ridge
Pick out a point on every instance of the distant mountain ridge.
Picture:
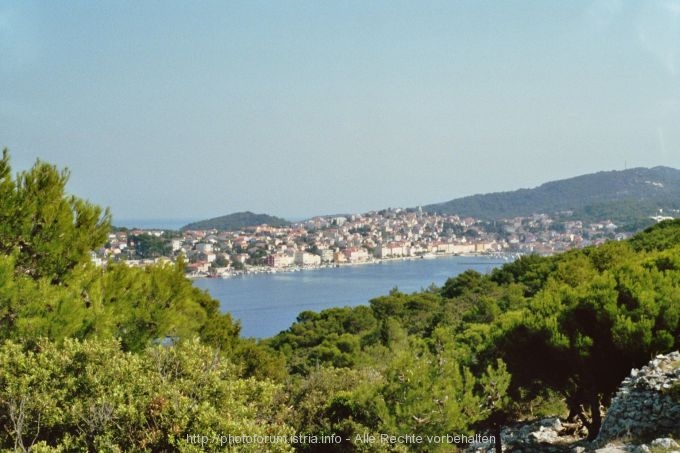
(621, 195)
(624, 196)
(236, 221)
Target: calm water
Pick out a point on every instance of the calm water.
(269, 303)
(153, 224)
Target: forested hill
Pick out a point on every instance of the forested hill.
(620, 195)
(236, 221)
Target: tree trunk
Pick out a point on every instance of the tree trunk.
(498, 444)
(596, 417)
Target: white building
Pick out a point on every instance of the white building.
(307, 259)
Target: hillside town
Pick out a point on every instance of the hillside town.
(328, 241)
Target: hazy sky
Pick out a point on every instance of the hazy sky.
(165, 109)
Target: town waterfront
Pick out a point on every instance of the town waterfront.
(269, 303)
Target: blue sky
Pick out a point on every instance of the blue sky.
(295, 108)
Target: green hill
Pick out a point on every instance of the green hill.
(623, 196)
(236, 221)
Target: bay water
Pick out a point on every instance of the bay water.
(266, 304)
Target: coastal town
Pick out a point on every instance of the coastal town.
(329, 241)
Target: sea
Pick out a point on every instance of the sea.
(152, 224)
(267, 304)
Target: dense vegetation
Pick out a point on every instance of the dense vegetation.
(237, 221)
(82, 361)
(137, 359)
(540, 334)
(626, 197)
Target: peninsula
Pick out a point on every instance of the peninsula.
(554, 217)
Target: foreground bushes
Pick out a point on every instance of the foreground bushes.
(92, 396)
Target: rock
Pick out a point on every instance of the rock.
(534, 436)
(544, 435)
(665, 442)
(642, 407)
(612, 449)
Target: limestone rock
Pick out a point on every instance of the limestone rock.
(665, 442)
(642, 408)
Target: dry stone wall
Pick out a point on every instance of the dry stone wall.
(644, 417)
(647, 404)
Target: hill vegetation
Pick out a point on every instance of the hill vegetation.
(623, 196)
(237, 221)
(82, 361)
(137, 359)
(540, 335)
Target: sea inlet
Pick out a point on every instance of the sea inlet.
(266, 304)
